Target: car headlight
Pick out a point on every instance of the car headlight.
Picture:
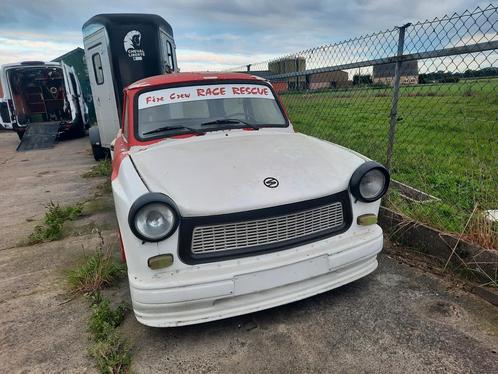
(369, 182)
(153, 217)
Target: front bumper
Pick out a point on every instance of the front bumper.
(311, 269)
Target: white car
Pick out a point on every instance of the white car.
(224, 210)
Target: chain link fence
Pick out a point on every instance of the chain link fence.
(422, 99)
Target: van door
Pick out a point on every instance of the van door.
(75, 84)
(5, 113)
(104, 99)
(70, 92)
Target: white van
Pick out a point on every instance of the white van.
(41, 92)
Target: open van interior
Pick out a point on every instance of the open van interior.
(39, 94)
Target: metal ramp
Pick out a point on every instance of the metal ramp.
(39, 135)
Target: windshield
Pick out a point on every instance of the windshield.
(203, 108)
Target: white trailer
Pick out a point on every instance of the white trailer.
(119, 50)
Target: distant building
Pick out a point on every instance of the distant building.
(332, 79)
(76, 59)
(290, 65)
(384, 74)
(313, 81)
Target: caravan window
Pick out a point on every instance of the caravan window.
(169, 51)
(97, 68)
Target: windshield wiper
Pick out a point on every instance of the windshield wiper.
(166, 128)
(228, 121)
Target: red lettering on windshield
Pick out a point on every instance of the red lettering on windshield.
(257, 91)
(218, 91)
(153, 99)
(175, 96)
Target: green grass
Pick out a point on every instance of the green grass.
(104, 318)
(109, 349)
(102, 169)
(53, 222)
(97, 271)
(446, 140)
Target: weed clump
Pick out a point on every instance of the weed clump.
(98, 271)
(53, 222)
(104, 318)
(109, 349)
(102, 169)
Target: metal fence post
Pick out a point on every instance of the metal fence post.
(395, 97)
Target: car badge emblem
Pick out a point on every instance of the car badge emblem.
(271, 182)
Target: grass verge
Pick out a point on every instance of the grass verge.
(53, 222)
(445, 143)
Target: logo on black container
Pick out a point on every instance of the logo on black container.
(132, 42)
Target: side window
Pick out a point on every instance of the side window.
(97, 68)
(169, 52)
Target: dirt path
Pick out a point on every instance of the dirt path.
(399, 319)
(30, 180)
(39, 330)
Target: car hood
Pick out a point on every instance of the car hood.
(223, 172)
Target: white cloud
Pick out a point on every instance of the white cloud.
(192, 60)
(15, 50)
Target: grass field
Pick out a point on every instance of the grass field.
(446, 141)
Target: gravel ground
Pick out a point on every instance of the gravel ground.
(401, 318)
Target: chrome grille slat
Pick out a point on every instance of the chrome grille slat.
(238, 235)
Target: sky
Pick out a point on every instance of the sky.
(214, 34)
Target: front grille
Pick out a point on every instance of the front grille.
(267, 231)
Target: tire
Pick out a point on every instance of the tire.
(99, 153)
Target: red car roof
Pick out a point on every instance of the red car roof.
(189, 77)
